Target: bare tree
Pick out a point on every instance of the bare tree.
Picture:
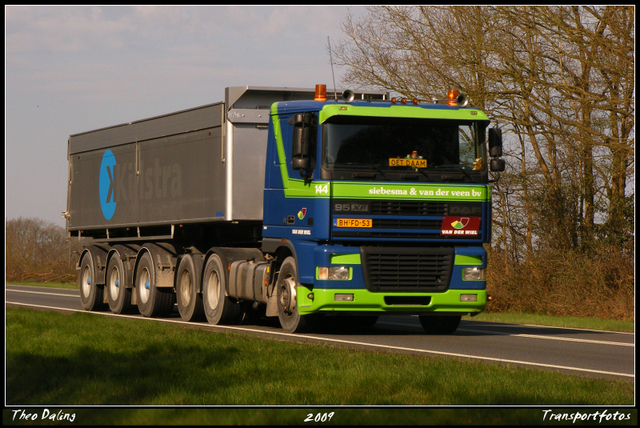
(37, 251)
(559, 80)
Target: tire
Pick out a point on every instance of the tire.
(116, 286)
(91, 294)
(439, 324)
(218, 307)
(188, 277)
(290, 319)
(152, 301)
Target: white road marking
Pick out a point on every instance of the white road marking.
(536, 336)
(42, 292)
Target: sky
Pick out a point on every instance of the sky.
(70, 69)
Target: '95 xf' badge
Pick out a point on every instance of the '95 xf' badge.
(352, 222)
(460, 226)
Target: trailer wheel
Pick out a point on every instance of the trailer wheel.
(152, 301)
(218, 307)
(91, 294)
(187, 285)
(439, 324)
(290, 319)
(118, 294)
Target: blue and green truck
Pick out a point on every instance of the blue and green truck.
(288, 203)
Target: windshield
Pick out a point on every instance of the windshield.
(392, 144)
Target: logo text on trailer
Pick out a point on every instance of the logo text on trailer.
(106, 184)
(129, 183)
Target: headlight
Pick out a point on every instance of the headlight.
(474, 274)
(334, 273)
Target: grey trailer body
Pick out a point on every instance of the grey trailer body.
(205, 164)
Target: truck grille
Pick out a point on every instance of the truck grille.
(422, 208)
(406, 224)
(405, 269)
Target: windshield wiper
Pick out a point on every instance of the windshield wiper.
(363, 175)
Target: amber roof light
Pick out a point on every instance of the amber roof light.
(321, 93)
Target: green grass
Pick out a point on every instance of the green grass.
(82, 359)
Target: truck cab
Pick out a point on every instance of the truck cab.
(384, 206)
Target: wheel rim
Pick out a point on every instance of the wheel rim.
(86, 281)
(213, 289)
(144, 285)
(186, 287)
(288, 296)
(114, 283)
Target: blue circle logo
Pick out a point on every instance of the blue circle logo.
(106, 184)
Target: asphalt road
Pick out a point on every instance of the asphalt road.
(583, 352)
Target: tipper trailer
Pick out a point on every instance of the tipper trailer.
(283, 202)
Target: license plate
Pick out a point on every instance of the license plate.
(352, 222)
(413, 163)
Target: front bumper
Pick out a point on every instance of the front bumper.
(450, 301)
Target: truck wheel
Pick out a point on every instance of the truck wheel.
(439, 324)
(290, 319)
(187, 285)
(218, 307)
(118, 295)
(152, 301)
(91, 294)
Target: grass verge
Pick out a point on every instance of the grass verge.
(82, 359)
(556, 321)
(47, 284)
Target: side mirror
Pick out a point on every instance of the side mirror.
(497, 165)
(495, 142)
(300, 163)
(303, 127)
(495, 150)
